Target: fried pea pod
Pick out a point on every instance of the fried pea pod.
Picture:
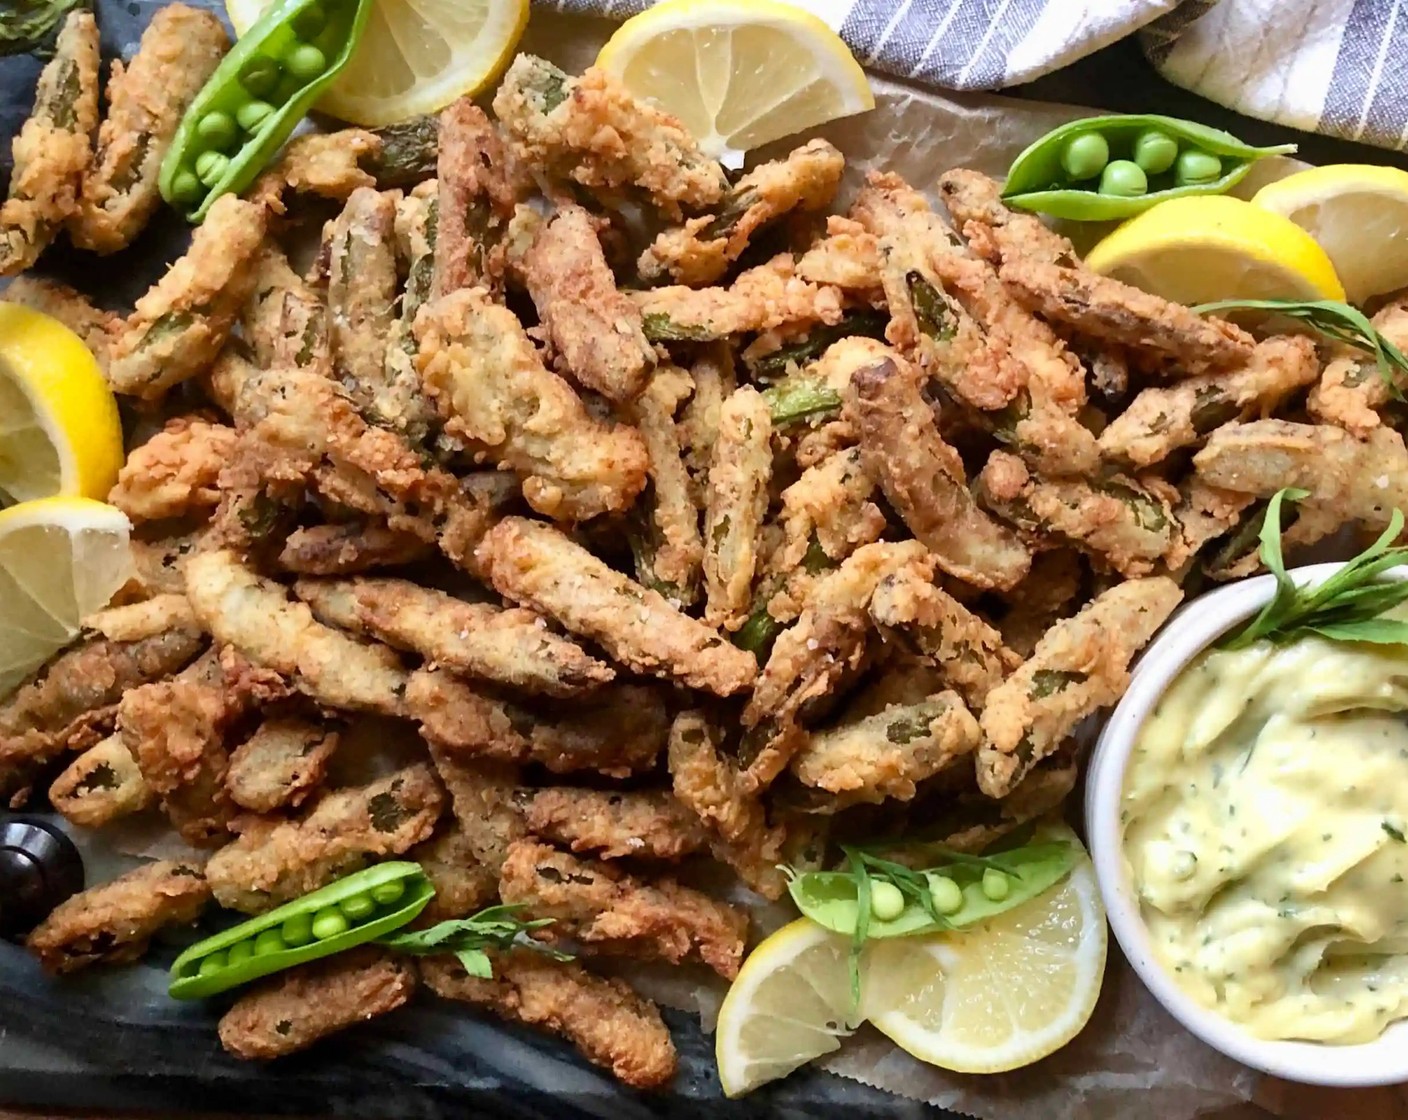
(351, 911)
(1056, 175)
(256, 96)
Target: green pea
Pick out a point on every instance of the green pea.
(252, 114)
(1085, 156)
(185, 187)
(305, 62)
(387, 893)
(1123, 178)
(358, 908)
(886, 901)
(1194, 168)
(297, 930)
(947, 895)
(269, 941)
(1155, 151)
(240, 952)
(260, 75)
(996, 885)
(217, 129)
(210, 166)
(308, 23)
(329, 923)
(212, 964)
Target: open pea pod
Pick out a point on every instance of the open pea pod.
(351, 911)
(829, 898)
(1038, 180)
(256, 97)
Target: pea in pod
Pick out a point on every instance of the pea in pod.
(256, 97)
(1206, 161)
(832, 898)
(353, 910)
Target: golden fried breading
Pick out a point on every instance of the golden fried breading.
(829, 504)
(1354, 388)
(611, 1025)
(701, 250)
(114, 922)
(326, 164)
(1204, 514)
(69, 306)
(606, 910)
(174, 474)
(737, 503)
(992, 230)
(482, 796)
(540, 567)
(924, 479)
(477, 192)
(291, 1011)
(671, 549)
(257, 617)
(463, 885)
(594, 330)
(181, 323)
(618, 730)
(280, 764)
(645, 824)
(512, 647)
(348, 548)
(161, 565)
(482, 369)
(969, 653)
(100, 785)
(848, 257)
(53, 148)
(1080, 665)
(1162, 419)
(887, 754)
(147, 98)
(714, 381)
(262, 317)
(273, 861)
(592, 131)
(131, 622)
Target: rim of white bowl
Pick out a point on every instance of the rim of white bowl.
(1193, 628)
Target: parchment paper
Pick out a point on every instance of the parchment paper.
(1133, 1060)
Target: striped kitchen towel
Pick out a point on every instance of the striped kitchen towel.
(1332, 66)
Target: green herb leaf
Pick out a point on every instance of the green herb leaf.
(476, 963)
(1335, 320)
(1396, 833)
(498, 927)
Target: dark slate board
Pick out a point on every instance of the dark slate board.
(113, 1040)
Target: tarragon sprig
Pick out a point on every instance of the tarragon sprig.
(1335, 320)
(498, 927)
(1347, 607)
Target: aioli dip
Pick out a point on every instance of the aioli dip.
(1265, 826)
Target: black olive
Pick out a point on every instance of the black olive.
(39, 868)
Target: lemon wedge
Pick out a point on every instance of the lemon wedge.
(1211, 247)
(994, 996)
(59, 428)
(737, 73)
(1359, 215)
(416, 56)
(998, 995)
(61, 559)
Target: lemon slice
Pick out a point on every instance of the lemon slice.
(415, 56)
(998, 995)
(1359, 215)
(791, 1003)
(1211, 247)
(61, 559)
(737, 73)
(59, 429)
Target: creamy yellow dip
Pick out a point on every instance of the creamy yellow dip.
(1265, 816)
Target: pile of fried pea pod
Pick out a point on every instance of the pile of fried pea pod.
(256, 97)
(1102, 168)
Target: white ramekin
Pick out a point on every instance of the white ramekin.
(1195, 626)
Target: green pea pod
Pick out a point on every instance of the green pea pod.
(1038, 182)
(830, 898)
(238, 955)
(270, 65)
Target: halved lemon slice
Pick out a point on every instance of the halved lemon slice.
(791, 1003)
(416, 56)
(738, 73)
(61, 559)
(59, 428)
(1359, 215)
(998, 995)
(1211, 247)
